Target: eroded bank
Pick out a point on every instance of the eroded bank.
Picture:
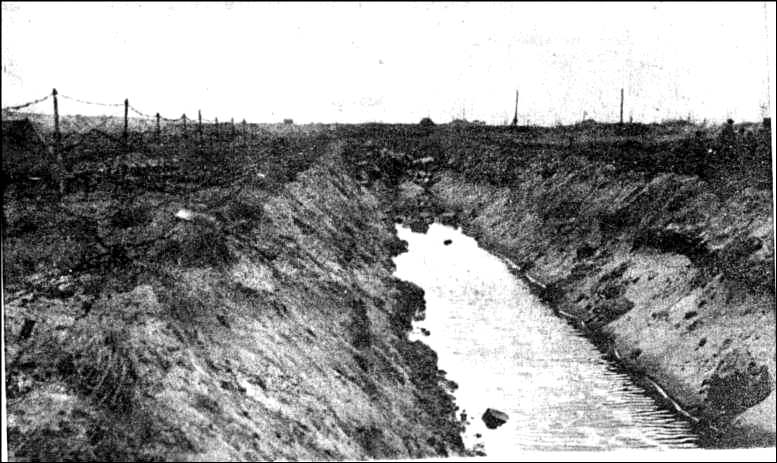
(270, 329)
(662, 268)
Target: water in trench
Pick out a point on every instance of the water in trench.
(507, 351)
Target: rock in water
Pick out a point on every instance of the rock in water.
(448, 218)
(447, 242)
(494, 418)
(418, 226)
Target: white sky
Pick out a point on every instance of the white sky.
(395, 62)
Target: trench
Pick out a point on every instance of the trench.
(505, 350)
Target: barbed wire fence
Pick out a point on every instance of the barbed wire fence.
(62, 135)
(185, 122)
(130, 159)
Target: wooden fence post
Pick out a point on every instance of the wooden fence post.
(56, 148)
(232, 122)
(621, 106)
(199, 126)
(125, 134)
(157, 128)
(245, 140)
(183, 116)
(217, 129)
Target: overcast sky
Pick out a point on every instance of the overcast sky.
(395, 62)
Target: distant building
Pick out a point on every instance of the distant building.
(288, 121)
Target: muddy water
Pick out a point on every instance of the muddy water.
(505, 350)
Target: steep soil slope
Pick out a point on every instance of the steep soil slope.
(282, 336)
(680, 281)
(658, 246)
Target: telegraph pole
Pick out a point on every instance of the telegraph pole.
(515, 117)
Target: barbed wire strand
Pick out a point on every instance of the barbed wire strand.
(163, 118)
(140, 113)
(24, 105)
(149, 116)
(91, 102)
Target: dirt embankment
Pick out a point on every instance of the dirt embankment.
(271, 328)
(279, 336)
(680, 282)
(674, 276)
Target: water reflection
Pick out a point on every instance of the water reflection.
(506, 351)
